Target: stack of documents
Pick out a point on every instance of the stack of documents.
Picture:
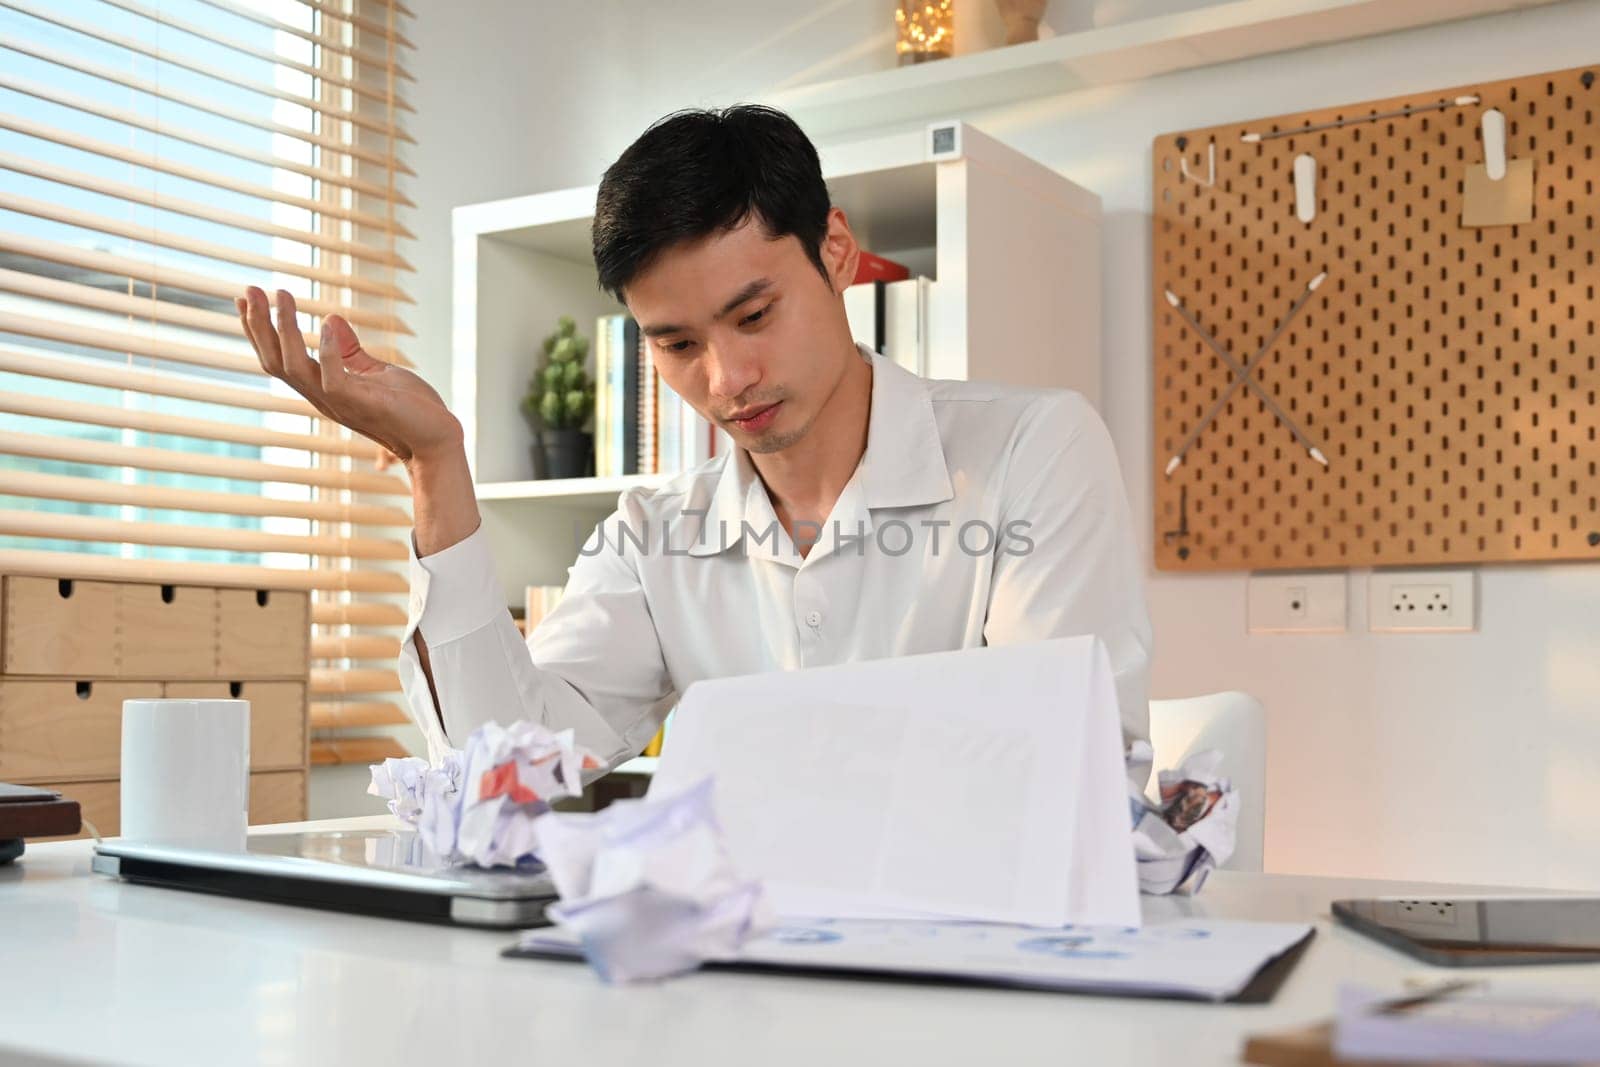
(959, 815)
(1190, 959)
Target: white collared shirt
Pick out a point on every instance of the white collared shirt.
(979, 514)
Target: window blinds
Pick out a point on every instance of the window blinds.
(157, 156)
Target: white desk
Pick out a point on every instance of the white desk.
(93, 969)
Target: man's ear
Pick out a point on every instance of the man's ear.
(840, 253)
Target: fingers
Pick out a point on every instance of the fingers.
(326, 382)
(299, 368)
(257, 320)
(339, 340)
(339, 347)
(268, 342)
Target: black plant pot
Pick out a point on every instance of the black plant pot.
(564, 453)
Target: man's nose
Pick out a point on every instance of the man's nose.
(732, 369)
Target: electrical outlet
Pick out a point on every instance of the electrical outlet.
(1421, 602)
(1449, 920)
(1427, 912)
(1445, 919)
(1281, 603)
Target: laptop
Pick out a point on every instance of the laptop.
(387, 873)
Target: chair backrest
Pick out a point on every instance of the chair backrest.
(1236, 725)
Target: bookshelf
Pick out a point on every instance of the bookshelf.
(1144, 48)
(575, 491)
(1013, 249)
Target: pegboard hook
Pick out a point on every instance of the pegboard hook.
(1494, 143)
(1211, 155)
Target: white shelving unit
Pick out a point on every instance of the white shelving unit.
(582, 491)
(1012, 248)
(1107, 55)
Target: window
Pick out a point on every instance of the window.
(157, 156)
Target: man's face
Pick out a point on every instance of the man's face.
(746, 329)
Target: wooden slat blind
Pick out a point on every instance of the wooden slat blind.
(156, 157)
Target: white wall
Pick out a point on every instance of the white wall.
(1470, 757)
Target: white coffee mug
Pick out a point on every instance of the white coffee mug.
(186, 772)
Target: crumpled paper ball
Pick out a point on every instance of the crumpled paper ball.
(479, 805)
(1180, 841)
(648, 885)
(406, 781)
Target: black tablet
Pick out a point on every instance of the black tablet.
(1481, 931)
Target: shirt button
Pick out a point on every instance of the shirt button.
(814, 618)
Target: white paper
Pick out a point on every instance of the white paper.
(1207, 959)
(479, 804)
(1518, 1026)
(647, 887)
(980, 784)
(1179, 841)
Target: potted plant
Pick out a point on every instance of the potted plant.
(560, 399)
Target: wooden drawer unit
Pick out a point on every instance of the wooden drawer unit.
(59, 626)
(277, 717)
(72, 650)
(275, 796)
(167, 631)
(264, 633)
(63, 729)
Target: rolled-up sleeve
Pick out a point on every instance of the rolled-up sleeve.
(593, 665)
(1078, 571)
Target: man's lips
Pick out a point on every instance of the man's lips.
(748, 412)
(755, 416)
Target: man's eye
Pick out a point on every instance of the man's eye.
(677, 346)
(748, 319)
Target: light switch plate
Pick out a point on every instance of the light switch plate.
(1283, 602)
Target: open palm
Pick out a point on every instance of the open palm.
(380, 401)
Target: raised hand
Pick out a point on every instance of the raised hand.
(380, 401)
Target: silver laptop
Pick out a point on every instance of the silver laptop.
(372, 872)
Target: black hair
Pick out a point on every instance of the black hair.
(697, 172)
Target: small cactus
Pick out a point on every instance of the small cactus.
(560, 396)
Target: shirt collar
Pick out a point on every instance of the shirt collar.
(903, 465)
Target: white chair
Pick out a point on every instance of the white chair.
(1236, 725)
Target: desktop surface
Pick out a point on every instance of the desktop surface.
(111, 972)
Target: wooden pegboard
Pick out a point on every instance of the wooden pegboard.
(1448, 374)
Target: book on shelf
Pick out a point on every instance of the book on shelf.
(892, 318)
(645, 412)
(871, 267)
(640, 425)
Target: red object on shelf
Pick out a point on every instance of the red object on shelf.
(873, 268)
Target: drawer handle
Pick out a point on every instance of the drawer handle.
(84, 689)
(261, 597)
(168, 593)
(235, 688)
(64, 587)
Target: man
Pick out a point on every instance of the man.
(865, 512)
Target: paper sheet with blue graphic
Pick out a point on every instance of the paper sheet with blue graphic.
(1211, 959)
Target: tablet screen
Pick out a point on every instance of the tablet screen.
(1486, 930)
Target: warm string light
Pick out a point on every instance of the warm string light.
(925, 30)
